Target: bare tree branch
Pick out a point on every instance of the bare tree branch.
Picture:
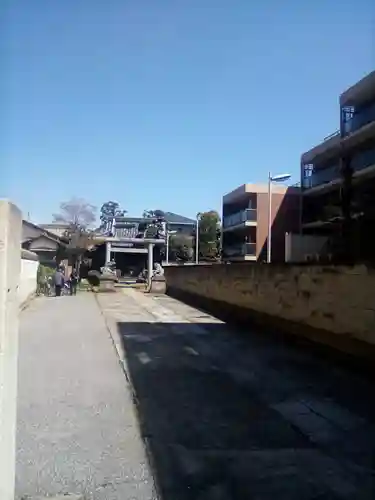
(76, 212)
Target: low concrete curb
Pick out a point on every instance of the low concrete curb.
(25, 304)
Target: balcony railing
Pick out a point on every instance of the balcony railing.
(330, 136)
(249, 214)
(240, 249)
(363, 159)
(360, 160)
(319, 177)
(358, 119)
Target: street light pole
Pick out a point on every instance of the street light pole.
(269, 237)
(167, 248)
(271, 179)
(197, 240)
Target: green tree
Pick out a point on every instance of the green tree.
(153, 214)
(181, 247)
(209, 235)
(155, 229)
(108, 210)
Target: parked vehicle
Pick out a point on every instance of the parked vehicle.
(66, 288)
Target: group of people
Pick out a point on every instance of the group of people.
(59, 281)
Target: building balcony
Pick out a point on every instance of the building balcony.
(362, 160)
(242, 250)
(362, 163)
(322, 216)
(354, 120)
(328, 148)
(316, 178)
(247, 217)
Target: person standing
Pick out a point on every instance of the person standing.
(73, 282)
(58, 280)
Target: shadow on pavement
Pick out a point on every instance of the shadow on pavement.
(229, 417)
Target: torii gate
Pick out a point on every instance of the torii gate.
(147, 247)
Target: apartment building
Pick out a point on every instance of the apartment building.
(245, 221)
(338, 175)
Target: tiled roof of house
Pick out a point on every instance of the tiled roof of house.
(170, 217)
(177, 219)
(44, 232)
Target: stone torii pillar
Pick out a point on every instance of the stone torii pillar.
(10, 269)
(107, 252)
(150, 263)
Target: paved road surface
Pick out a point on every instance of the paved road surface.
(235, 415)
(77, 429)
(224, 414)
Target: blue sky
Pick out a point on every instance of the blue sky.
(168, 103)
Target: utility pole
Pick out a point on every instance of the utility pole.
(197, 240)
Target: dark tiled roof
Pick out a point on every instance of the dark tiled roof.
(58, 225)
(177, 219)
(130, 220)
(169, 217)
(44, 231)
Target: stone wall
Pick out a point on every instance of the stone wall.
(28, 280)
(337, 302)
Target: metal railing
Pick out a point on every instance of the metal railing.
(359, 161)
(240, 249)
(358, 119)
(323, 176)
(363, 159)
(249, 214)
(334, 134)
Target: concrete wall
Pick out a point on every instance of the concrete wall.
(333, 305)
(10, 263)
(28, 279)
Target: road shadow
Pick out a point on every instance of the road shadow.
(210, 409)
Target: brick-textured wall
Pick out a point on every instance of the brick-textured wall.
(338, 300)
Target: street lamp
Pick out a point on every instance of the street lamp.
(271, 179)
(169, 233)
(197, 239)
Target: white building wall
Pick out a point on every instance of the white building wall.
(298, 248)
(28, 281)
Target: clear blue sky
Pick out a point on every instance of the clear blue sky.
(168, 103)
